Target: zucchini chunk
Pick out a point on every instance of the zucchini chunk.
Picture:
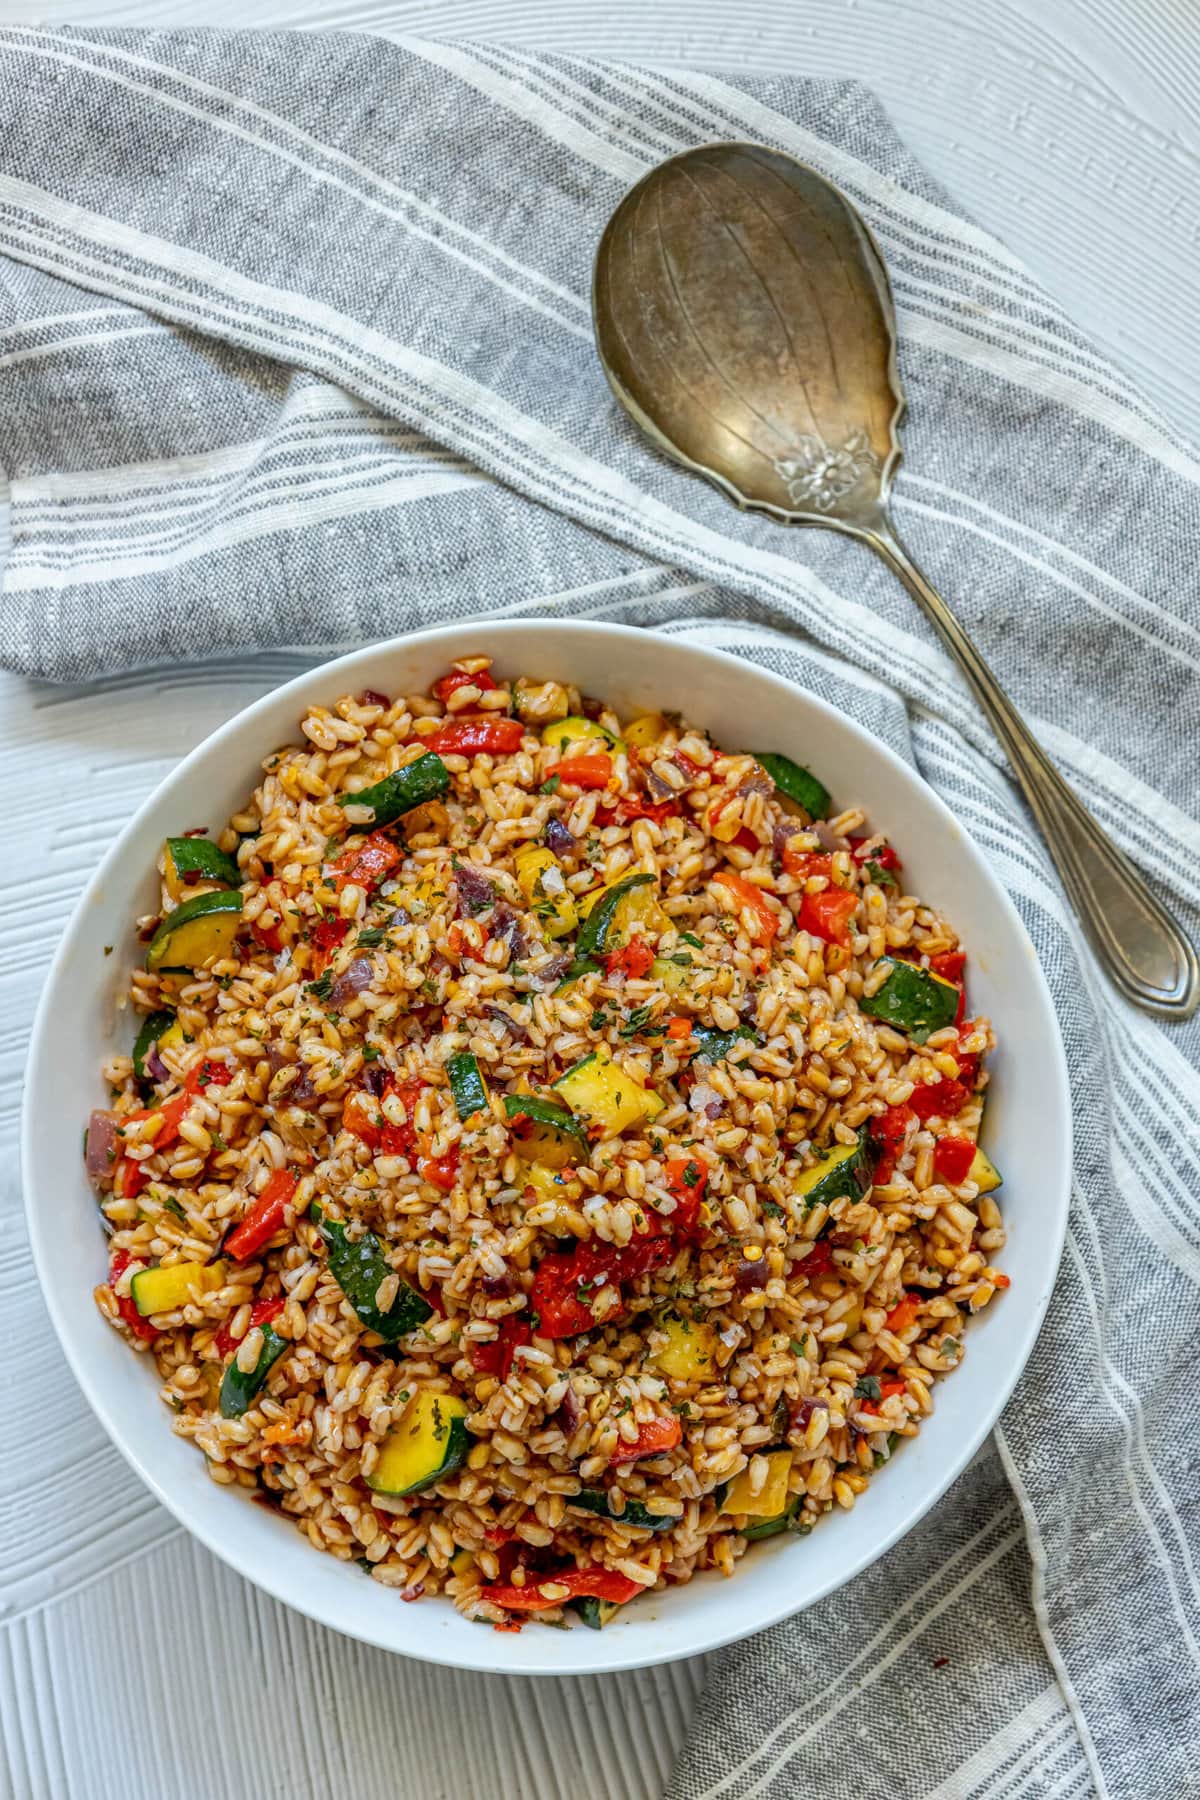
(163, 1289)
(596, 1613)
(198, 933)
(595, 1500)
(187, 860)
(914, 1000)
(467, 1086)
(540, 879)
(155, 1027)
(565, 734)
(984, 1173)
(239, 1389)
(759, 1527)
(424, 779)
(795, 783)
(771, 1500)
(846, 1170)
(557, 1138)
(675, 977)
(358, 1267)
(601, 930)
(599, 1092)
(690, 1352)
(430, 1442)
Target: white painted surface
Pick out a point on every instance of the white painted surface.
(1070, 128)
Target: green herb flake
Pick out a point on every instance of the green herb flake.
(322, 987)
(552, 786)
(799, 1346)
(635, 1021)
(370, 1052)
(880, 876)
(867, 1387)
(689, 937)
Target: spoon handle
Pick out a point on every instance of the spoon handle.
(1140, 945)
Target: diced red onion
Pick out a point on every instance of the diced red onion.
(475, 892)
(555, 967)
(506, 925)
(375, 1079)
(571, 1411)
(830, 840)
(352, 980)
(154, 1065)
(747, 1276)
(557, 838)
(757, 783)
(372, 697)
(705, 1101)
(511, 1025)
(100, 1152)
(803, 1411)
(591, 708)
(301, 1092)
(497, 1287)
(659, 789)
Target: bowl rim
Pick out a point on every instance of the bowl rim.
(521, 1660)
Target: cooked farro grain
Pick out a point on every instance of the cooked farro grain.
(551, 1171)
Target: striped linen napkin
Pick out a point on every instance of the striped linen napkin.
(295, 344)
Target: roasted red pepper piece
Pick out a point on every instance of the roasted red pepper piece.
(751, 898)
(368, 864)
(633, 960)
(586, 771)
(325, 937)
(686, 1178)
(818, 1262)
(887, 1389)
(805, 862)
(401, 1140)
(265, 1218)
(949, 965)
(207, 1074)
(476, 737)
(952, 1158)
(593, 1584)
(140, 1327)
(497, 1357)
(267, 936)
(636, 806)
(904, 1314)
(458, 678)
(887, 1131)
(655, 1436)
(442, 1171)
(827, 914)
(261, 1313)
(361, 1115)
(555, 1300)
(883, 854)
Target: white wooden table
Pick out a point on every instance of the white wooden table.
(1071, 128)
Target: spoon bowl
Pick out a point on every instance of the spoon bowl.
(744, 318)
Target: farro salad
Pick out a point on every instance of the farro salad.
(548, 1159)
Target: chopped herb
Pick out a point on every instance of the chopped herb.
(322, 987)
(224, 982)
(172, 1205)
(656, 1145)
(108, 949)
(880, 876)
(949, 1347)
(219, 1143)
(772, 1209)
(637, 1018)
(683, 1408)
(867, 1387)
(598, 1020)
(364, 1563)
(370, 1052)
(429, 988)
(552, 786)
(372, 937)
(799, 1346)
(691, 1175)
(681, 959)
(689, 937)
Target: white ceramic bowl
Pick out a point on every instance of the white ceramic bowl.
(1028, 1135)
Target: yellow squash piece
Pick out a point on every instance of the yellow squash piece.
(645, 731)
(771, 1498)
(198, 933)
(162, 1290)
(690, 1351)
(568, 735)
(540, 878)
(559, 1186)
(172, 1038)
(673, 976)
(984, 1173)
(429, 1442)
(637, 913)
(600, 1092)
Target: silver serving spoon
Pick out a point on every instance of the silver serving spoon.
(744, 318)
